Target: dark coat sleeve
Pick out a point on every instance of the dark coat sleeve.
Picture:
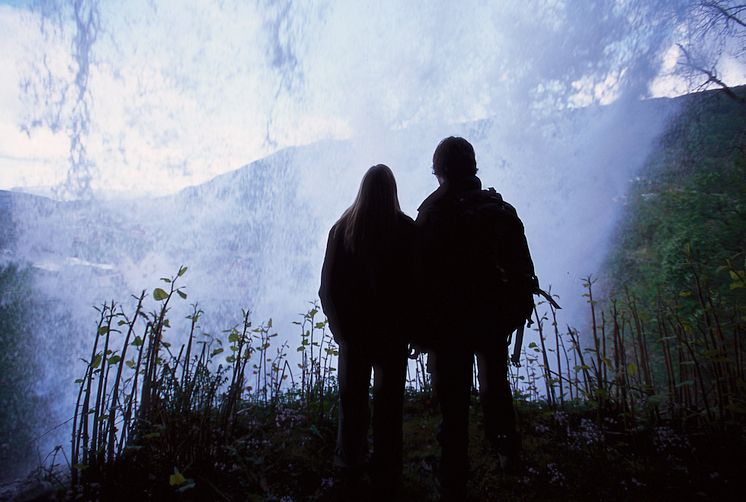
(329, 286)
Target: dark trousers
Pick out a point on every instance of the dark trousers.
(389, 373)
(452, 377)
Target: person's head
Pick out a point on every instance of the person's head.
(375, 209)
(453, 159)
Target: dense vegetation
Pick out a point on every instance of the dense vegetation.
(680, 253)
(688, 204)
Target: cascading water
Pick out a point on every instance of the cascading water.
(135, 115)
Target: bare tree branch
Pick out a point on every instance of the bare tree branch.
(711, 76)
(730, 14)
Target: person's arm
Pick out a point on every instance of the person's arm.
(328, 284)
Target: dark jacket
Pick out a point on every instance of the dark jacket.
(367, 295)
(454, 297)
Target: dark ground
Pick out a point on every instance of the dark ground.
(570, 454)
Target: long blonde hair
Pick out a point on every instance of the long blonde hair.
(375, 209)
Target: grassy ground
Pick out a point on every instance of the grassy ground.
(571, 454)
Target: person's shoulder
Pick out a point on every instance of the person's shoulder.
(405, 220)
(406, 226)
(432, 200)
(337, 229)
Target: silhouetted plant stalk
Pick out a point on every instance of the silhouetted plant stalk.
(317, 351)
(141, 394)
(679, 359)
(421, 380)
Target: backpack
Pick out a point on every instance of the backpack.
(500, 251)
(499, 258)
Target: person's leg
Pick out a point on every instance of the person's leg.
(496, 399)
(452, 376)
(352, 432)
(389, 374)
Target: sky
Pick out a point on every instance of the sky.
(176, 93)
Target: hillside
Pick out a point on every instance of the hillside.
(686, 209)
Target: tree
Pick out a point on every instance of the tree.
(714, 30)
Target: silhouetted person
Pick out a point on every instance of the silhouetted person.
(477, 289)
(365, 285)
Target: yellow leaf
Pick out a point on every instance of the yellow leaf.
(177, 478)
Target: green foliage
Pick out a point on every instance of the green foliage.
(688, 201)
(17, 369)
(675, 263)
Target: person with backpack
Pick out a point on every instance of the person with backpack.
(477, 288)
(366, 293)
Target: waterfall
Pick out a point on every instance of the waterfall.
(131, 123)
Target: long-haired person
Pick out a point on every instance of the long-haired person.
(365, 289)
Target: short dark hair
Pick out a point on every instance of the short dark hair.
(454, 158)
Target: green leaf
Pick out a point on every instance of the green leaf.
(182, 294)
(216, 352)
(79, 380)
(159, 294)
(233, 337)
(182, 271)
(632, 368)
(96, 361)
(532, 345)
(121, 322)
(319, 325)
(114, 359)
(102, 330)
(230, 359)
(166, 280)
(137, 341)
(130, 364)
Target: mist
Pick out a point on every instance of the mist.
(229, 137)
